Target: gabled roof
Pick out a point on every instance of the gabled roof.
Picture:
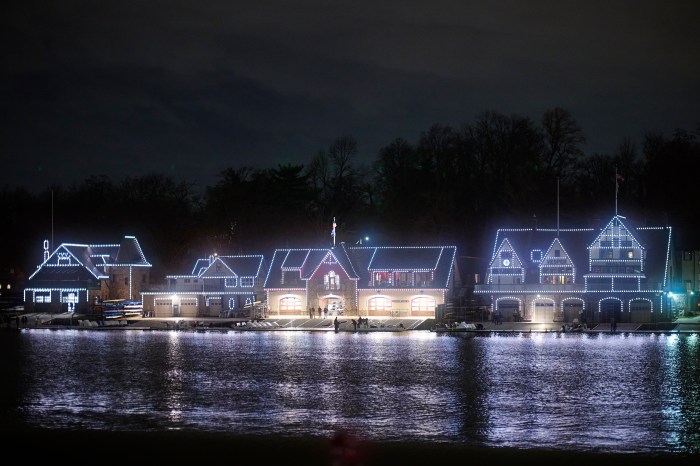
(296, 258)
(69, 262)
(245, 266)
(556, 244)
(200, 266)
(506, 246)
(436, 259)
(360, 262)
(576, 241)
(233, 266)
(129, 253)
(413, 258)
(306, 262)
(314, 260)
(338, 254)
(81, 262)
(217, 268)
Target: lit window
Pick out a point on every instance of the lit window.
(290, 303)
(69, 297)
(423, 303)
(379, 304)
(331, 281)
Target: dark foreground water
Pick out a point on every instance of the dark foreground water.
(624, 393)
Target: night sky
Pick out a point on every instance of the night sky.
(189, 88)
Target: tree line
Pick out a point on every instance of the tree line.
(454, 185)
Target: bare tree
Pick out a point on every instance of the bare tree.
(341, 152)
(562, 139)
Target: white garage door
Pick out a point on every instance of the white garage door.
(163, 307)
(214, 306)
(188, 307)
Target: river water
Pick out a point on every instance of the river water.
(582, 392)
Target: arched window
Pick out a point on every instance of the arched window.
(290, 303)
(331, 280)
(380, 303)
(423, 303)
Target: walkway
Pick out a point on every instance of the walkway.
(302, 323)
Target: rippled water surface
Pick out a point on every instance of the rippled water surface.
(616, 393)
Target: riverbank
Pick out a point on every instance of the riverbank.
(203, 324)
(186, 448)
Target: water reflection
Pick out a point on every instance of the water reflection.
(618, 393)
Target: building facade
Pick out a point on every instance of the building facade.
(361, 281)
(690, 288)
(621, 271)
(218, 286)
(75, 276)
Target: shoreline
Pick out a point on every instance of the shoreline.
(297, 323)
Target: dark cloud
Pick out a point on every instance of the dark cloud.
(190, 88)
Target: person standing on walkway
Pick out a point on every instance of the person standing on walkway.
(336, 324)
(311, 313)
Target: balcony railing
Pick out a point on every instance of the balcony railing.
(200, 288)
(576, 288)
(529, 288)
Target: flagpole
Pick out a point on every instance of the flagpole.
(617, 187)
(51, 245)
(333, 232)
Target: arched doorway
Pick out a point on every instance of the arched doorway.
(641, 310)
(573, 309)
(543, 310)
(609, 309)
(506, 308)
(334, 303)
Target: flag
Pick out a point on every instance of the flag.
(333, 230)
(618, 178)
